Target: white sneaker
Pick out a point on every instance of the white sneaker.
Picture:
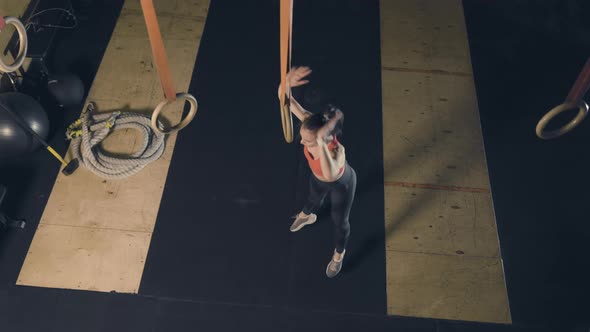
(302, 221)
(334, 267)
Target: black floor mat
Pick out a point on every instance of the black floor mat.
(222, 233)
(526, 56)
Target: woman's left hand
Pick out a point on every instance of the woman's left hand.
(322, 134)
(326, 129)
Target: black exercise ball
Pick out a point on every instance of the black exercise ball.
(67, 89)
(14, 140)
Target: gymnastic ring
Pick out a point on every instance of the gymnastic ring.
(287, 121)
(184, 122)
(583, 110)
(22, 48)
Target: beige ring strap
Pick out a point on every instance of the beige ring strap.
(163, 68)
(582, 111)
(158, 51)
(184, 122)
(23, 44)
(286, 38)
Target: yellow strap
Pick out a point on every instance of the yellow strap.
(56, 155)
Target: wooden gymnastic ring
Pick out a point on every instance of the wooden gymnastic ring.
(287, 121)
(582, 111)
(184, 122)
(22, 48)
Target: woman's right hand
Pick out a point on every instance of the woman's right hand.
(295, 76)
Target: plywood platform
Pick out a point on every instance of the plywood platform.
(443, 256)
(94, 233)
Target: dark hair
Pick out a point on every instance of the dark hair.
(318, 120)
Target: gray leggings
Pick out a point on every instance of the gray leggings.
(341, 196)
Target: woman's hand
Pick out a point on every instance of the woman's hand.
(322, 134)
(295, 76)
(337, 116)
(327, 128)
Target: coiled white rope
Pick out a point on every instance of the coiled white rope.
(91, 129)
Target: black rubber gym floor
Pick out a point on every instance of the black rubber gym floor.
(222, 233)
(222, 258)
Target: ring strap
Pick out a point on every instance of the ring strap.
(158, 50)
(286, 39)
(581, 85)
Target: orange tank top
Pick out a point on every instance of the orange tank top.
(315, 165)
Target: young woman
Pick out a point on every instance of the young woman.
(332, 175)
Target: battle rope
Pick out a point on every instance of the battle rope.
(92, 128)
